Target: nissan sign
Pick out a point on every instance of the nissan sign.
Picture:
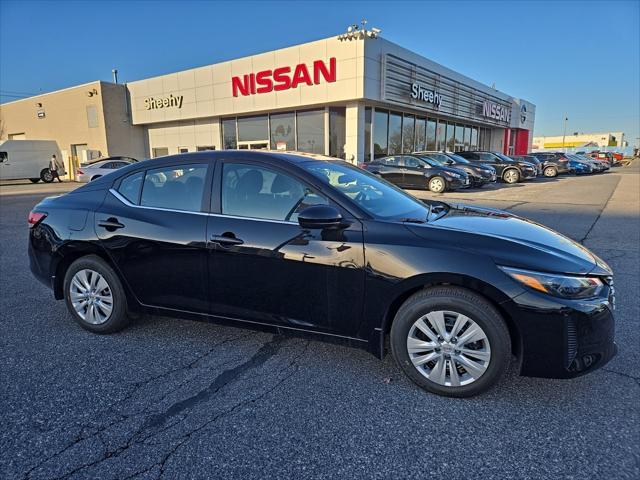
(495, 111)
(418, 92)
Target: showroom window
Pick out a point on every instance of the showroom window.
(229, 140)
(252, 129)
(256, 192)
(283, 131)
(408, 133)
(176, 187)
(367, 134)
(420, 134)
(159, 152)
(380, 133)
(451, 142)
(459, 138)
(205, 148)
(395, 133)
(310, 125)
(441, 136)
(473, 145)
(431, 134)
(337, 131)
(467, 137)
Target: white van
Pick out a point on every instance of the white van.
(29, 159)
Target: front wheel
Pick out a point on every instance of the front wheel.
(550, 172)
(437, 184)
(511, 176)
(94, 295)
(450, 341)
(46, 176)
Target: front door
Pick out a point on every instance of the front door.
(264, 267)
(390, 169)
(414, 172)
(153, 226)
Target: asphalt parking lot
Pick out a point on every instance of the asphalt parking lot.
(179, 399)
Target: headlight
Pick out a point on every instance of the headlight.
(564, 286)
(454, 175)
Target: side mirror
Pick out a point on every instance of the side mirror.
(320, 216)
(450, 162)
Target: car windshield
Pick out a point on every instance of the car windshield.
(373, 194)
(438, 159)
(503, 157)
(457, 158)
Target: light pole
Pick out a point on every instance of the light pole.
(564, 133)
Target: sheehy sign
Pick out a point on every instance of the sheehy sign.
(284, 78)
(151, 103)
(495, 111)
(418, 92)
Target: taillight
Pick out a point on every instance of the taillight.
(35, 218)
(79, 172)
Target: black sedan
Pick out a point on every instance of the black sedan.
(508, 169)
(411, 171)
(479, 174)
(306, 245)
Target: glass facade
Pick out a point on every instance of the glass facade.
(380, 133)
(337, 131)
(408, 133)
(395, 133)
(367, 133)
(441, 135)
(229, 140)
(431, 134)
(451, 142)
(253, 128)
(421, 125)
(283, 131)
(310, 131)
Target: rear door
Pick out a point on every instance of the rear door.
(264, 267)
(389, 168)
(153, 225)
(414, 171)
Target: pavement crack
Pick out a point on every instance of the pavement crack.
(626, 375)
(586, 235)
(228, 376)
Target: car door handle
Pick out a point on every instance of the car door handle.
(110, 224)
(226, 239)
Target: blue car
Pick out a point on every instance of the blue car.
(579, 168)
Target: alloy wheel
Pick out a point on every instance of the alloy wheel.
(436, 185)
(511, 176)
(448, 348)
(550, 172)
(91, 296)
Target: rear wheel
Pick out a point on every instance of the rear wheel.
(437, 184)
(94, 295)
(511, 176)
(46, 175)
(450, 341)
(550, 172)
(34, 180)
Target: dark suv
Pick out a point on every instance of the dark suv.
(510, 170)
(553, 163)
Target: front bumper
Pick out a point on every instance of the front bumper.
(528, 174)
(562, 338)
(456, 183)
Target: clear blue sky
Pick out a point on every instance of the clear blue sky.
(581, 58)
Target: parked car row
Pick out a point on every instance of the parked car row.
(443, 171)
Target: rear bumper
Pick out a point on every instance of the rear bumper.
(562, 338)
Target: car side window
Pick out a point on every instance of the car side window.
(258, 192)
(130, 187)
(107, 165)
(178, 187)
(3, 157)
(487, 157)
(411, 162)
(390, 161)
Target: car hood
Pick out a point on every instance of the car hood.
(510, 240)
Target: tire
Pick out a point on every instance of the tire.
(46, 176)
(95, 177)
(117, 318)
(550, 172)
(34, 180)
(453, 301)
(437, 184)
(511, 176)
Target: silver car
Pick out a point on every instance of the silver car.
(91, 171)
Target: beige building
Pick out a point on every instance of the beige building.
(355, 96)
(576, 140)
(86, 121)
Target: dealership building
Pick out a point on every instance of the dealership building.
(355, 96)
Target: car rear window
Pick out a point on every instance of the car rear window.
(130, 187)
(177, 187)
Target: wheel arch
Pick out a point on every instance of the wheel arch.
(475, 285)
(507, 169)
(70, 252)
